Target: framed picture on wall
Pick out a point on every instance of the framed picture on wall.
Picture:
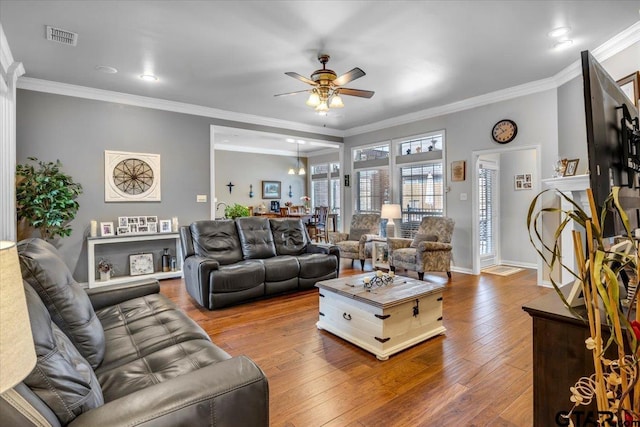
(630, 85)
(458, 170)
(271, 189)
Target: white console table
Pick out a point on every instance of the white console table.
(92, 242)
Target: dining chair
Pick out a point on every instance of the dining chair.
(318, 226)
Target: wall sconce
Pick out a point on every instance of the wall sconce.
(290, 192)
(250, 190)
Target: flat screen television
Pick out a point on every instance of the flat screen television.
(612, 143)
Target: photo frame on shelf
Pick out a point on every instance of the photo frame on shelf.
(458, 170)
(572, 167)
(271, 189)
(165, 226)
(140, 264)
(630, 85)
(106, 229)
(137, 224)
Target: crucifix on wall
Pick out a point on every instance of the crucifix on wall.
(230, 185)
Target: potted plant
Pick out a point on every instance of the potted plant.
(614, 386)
(46, 198)
(234, 211)
(105, 268)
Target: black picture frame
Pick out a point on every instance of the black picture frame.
(271, 189)
(572, 167)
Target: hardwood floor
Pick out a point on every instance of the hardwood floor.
(477, 374)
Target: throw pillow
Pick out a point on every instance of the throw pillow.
(423, 238)
(62, 378)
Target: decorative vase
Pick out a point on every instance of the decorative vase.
(166, 260)
(105, 275)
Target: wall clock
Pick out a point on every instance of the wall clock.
(504, 131)
(131, 177)
(140, 264)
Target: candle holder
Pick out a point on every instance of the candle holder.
(380, 279)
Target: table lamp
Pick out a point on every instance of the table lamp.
(391, 212)
(17, 352)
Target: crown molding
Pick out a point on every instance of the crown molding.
(39, 85)
(605, 51)
(454, 107)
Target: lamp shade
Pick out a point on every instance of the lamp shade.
(17, 352)
(391, 212)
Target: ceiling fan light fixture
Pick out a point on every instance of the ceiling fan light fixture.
(336, 101)
(301, 171)
(314, 99)
(322, 107)
(292, 171)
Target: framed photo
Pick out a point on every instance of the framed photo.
(123, 230)
(123, 221)
(153, 227)
(458, 169)
(523, 181)
(165, 226)
(106, 229)
(572, 167)
(141, 264)
(630, 85)
(271, 189)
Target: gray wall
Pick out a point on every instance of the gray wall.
(514, 205)
(77, 131)
(244, 169)
(468, 131)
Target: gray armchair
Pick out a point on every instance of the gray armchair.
(430, 250)
(358, 242)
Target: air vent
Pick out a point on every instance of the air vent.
(59, 35)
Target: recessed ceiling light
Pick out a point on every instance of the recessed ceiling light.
(149, 77)
(301, 141)
(558, 32)
(563, 44)
(106, 69)
(290, 140)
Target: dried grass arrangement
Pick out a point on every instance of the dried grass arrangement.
(614, 385)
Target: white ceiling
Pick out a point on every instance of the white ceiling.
(232, 55)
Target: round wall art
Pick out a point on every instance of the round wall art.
(131, 177)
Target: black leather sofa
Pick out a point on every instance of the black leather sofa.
(231, 261)
(125, 356)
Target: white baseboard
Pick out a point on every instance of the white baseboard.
(461, 270)
(520, 264)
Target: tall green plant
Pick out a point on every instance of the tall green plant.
(46, 198)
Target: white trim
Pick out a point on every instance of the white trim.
(39, 85)
(254, 150)
(606, 50)
(212, 171)
(518, 264)
(461, 270)
(475, 155)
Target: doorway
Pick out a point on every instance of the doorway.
(500, 204)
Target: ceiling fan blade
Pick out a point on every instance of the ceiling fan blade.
(292, 93)
(349, 76)
(301, 78)
(356, 92)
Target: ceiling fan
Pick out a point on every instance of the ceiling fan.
(327, 87)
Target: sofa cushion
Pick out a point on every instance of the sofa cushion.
(280, 268)
(68, 304)
(420, 237)
(237, 277)
(317, 265)
(255, 237)
(289, 236)
(62, 378)
(159, 366)
(217, 240)
(138, 327)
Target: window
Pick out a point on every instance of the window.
(325, 186)
(422, 144)
(422, 194)
(373, 189)
(371, 153)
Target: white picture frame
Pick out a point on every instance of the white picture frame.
(121, 185)
(165, 226)
(106, 229)
(141, 264)
(523, 181)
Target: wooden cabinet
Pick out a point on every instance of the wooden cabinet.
(560, 357)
